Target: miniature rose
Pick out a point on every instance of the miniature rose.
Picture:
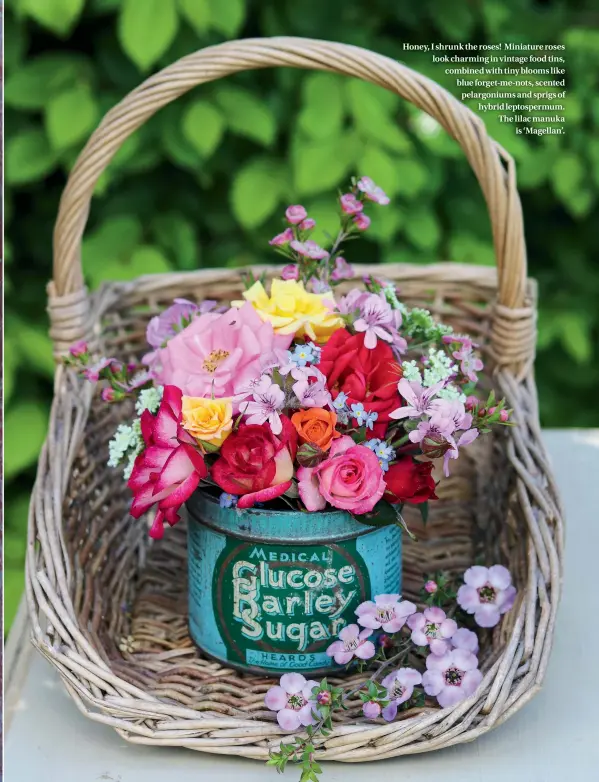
(409, 481)
(255, 463)
(210, 420)
(316, 426)
(487, 593)
(293, 701)
(350, 479)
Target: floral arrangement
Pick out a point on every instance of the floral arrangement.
(396, 639)
(295, 395)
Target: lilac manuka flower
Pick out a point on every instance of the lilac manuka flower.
(465, 639)
(487, 593)
(372, 191)
(293, 701)
(311, 387)
(281, 239)
(400, 688)
(417, 397)
(388, 612)
(267, 402)
(309, 249)
(432, 628)
(342, 271)
(352, 643)
(451, 677)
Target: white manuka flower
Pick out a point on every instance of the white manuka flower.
(411, 372)
(440, 367)
(149, 399)
(124, 439)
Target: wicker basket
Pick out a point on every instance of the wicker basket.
(109, 610)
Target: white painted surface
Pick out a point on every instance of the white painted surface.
(554, 738)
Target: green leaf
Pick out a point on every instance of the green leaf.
(71, 116)
(34, 347)
(412, 178)
(14, 586)
(247, 115)
(422, 229)
(25, 426)
(148, 260)
(575, 336)
(28, 157)
(35, 83)
(322, 165)
(11, 363)
(323, 105)
(371, 114)
(203, 127)
(111, 245)
(146, 28)
(59, 16)
(227, 16)
(197, 13)
(256, 192)
(423, 507)
(386, 172)
(177, 236)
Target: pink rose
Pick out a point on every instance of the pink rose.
(350, 479)
(295, 214)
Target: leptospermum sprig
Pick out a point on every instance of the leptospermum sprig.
(121, 380)
(448, 653)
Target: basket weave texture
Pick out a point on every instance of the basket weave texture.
(108, 609)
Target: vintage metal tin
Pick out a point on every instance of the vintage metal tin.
(270, 590)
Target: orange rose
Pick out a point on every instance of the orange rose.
(316, 426)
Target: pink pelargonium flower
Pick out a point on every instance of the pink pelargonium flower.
(487, 593)
(281, 239)
(290, 272)
(295, 214)
(349, 479)
(451, 677)
(377, 320)
(219, 355)
(464, 439)
(268, 400)
(293, 701)
(350, 204)
(432, 628)
(352, 643)
(169, 469)
(309, 249)
(417, 397)
(400, 688)
(388, 612)
(372, 191)
(362, 222)
(311, 387)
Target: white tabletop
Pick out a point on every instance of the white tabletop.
(555, 737)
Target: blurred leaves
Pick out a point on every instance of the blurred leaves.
(146, 29)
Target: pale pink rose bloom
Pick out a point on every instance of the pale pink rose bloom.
(350, 204)
(487, 593)
(451, 677)
(309, 249)
(432, 628)
(465, 639)
(293, 701)
(400, 688)
(362, 222)
(388, 612)
(282, 238)
(290, 272)
(371, 710)
(307, 225)
(372, 191)
(295, 214)
(219, 355)
(352, 643)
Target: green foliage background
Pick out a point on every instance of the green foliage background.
(205, 181)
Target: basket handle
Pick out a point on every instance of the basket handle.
(493, 167)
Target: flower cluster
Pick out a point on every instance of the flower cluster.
(447, 655)
(295, 395)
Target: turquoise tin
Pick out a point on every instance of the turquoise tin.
(270, 590)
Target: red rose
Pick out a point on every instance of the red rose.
(367, 376)
(255, 463)
(169, 469)
(410, 481)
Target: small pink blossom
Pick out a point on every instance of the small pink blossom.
(465, 639)
(453, 339)
(342, 271)
(310, 387)
(282, 238)
(450, 415)
(307, 225)
(293, 701)
(469, 364)
(465, 439)
(431, 587)
(371, 710)
(350, 204)
(487, 593)
(108, 395)
(400, 688)
(352, 643)
(451, 677)
(432, 628)
(268, 401)
(92, 373)
(419, 399)
(295, 214)
(309, 249)
(372, 191)
(362, 221)
(78, 348)
(376, 320)
(504, 416)
(388, 612)
(290, 272)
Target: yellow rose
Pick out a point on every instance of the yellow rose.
(293, 310)
(209, 420)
